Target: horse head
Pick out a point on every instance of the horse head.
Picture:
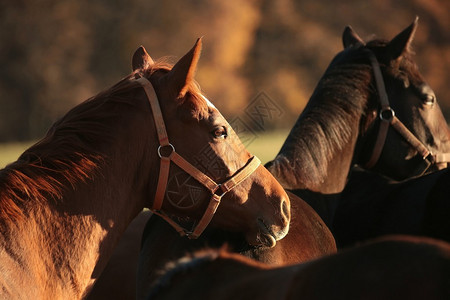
(422, 144)
(209, 162)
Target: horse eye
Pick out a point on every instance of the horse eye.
(429, 99)
(427, 94)
(220, 132)
(406, 82)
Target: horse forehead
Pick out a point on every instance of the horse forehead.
(209, 103)
(214, 114)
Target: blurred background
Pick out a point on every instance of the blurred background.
(56, 53)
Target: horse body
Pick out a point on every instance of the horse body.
(67, 200)
(372, 206)
(390, 268)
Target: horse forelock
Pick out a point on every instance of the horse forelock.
(401, 67)
(193, 101)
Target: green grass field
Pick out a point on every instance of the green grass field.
(9, 152)
(266, 145)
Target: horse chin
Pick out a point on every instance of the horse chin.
(268, 240)
(263, 238)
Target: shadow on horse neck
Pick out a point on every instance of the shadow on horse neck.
(343, 123)
(391, 268)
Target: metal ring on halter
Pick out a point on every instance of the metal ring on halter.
(430, 157)
(220, 190)
(170, 145)
(389, 117)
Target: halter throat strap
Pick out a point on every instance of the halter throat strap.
(167, 153)
(388, 118)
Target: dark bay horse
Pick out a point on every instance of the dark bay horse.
(373, 108)
(390, 268)
(67, 199)
(339, 122)
(373, 205)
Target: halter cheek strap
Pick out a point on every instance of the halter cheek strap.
(217, 190)
(388, 118)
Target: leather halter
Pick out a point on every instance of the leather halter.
(387, 117)
(217, 190)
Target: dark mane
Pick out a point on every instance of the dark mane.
(194, 261)
(323, 127)
(73, 149)
(181, 266)
(404, 68)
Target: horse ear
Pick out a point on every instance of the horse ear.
(401, 43)
(141, 59)
(182, 74)
(350, 38)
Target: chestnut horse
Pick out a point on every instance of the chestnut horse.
(67, 199)
(399, 267)
(372, 206)
(350, 120)
(339, 121)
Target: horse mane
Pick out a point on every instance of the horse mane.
(194, 261)
(323, 127)
(74, 148)
(182, 265)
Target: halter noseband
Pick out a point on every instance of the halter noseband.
(387, 117)
(217, 190)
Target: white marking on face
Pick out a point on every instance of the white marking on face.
(209, 102)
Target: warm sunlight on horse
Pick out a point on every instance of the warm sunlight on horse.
(67, 199)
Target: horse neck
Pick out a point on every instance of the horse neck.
(62, 245)
(318, 152)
